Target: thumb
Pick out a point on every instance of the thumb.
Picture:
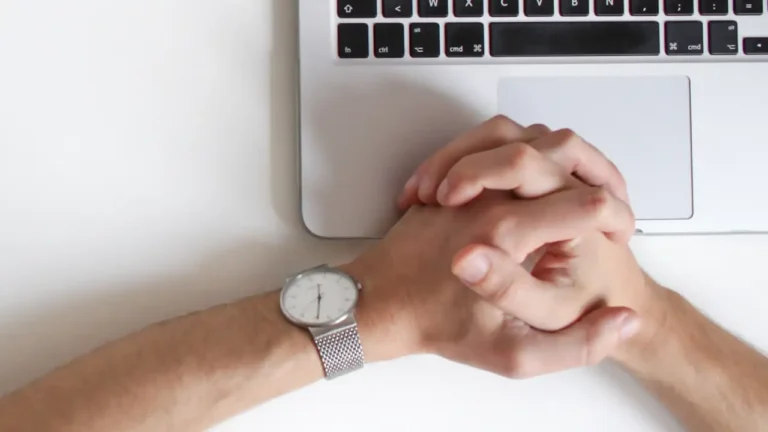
(586, 342)
(494, 275)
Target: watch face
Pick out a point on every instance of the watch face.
(318, 298)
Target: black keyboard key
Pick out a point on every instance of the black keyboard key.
(644, 7)
(397, 8)
(748, 7)
(713, 7)
(464, 40)
(433, 8)
(389, 40)
(539, 8)
(609, 7)
(468, 8)
(425, 40)
(353, 41)
(723, 37)
(574, 7)
(504, 8)
(598, 38)
(356, 8)
(678, 7)
(684, 38)
(756, 45)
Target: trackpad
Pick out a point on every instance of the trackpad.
(643, 124)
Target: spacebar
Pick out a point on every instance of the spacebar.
(604, 38)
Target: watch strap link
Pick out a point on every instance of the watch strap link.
(340, 351)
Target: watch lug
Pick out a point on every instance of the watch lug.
(347, 322)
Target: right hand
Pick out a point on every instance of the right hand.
(413, 300)
(501, 155)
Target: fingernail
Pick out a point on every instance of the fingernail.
(411, 183)
(473, 268)
(442, 191)
(425, 190)
(408, 189)
(629, 325)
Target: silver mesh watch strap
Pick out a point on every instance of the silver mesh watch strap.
(340, 350)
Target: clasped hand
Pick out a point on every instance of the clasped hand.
(512, 256)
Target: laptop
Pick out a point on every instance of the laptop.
(675, 92)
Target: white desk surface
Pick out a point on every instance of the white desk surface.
(147, 170)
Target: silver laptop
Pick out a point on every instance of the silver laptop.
(674, 91)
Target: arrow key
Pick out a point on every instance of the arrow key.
(356, 8)
(397, 8)
(756, 45)
(723, 38)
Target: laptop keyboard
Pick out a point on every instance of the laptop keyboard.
(433, 29)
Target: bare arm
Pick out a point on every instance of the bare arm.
(191, 372)
(184, 374)
(709, 379)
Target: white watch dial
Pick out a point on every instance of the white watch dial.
(319, 298)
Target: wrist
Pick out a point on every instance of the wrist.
(385, 331)
(654, 309)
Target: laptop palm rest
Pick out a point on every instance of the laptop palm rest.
(643, 124)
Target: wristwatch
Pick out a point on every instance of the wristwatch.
(323, 300)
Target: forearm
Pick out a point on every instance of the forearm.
(184, 374)
(709, 379)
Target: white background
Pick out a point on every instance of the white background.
(147, 169)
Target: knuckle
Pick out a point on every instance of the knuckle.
(596, 201)
(520, 155)
(568, 134)
(537, 129)
(512, 367)
(501, 225)
(502, 293)
(503, 127)
(520, 365)
(567, 139)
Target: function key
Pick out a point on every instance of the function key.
(425, 40)
(356, 8)
(433, 8)
(464, 40)
(574, 7)
(397, 8)
(723, 37)
(503, 8)
(389, 40)
(756, 45)
(678, 7)
(713, 7)
(684, 38)
(468, 8)
(539, 8)
(609, 7)
(353, 41)
(748, 7)
(644, 7)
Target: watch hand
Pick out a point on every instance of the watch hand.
(319, 297)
